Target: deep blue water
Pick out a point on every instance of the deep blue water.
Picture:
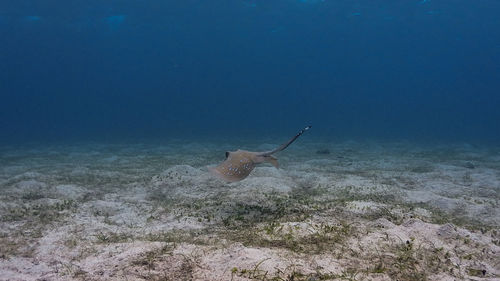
(389, 69)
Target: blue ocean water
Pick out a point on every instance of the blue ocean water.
(100, 70)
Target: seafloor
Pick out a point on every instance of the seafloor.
(334, 211)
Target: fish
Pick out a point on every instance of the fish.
(240, 163)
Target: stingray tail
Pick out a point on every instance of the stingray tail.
(273, 160)
(285, 145)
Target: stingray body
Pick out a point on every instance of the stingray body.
(240, 163)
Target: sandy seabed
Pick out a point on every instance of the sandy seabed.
(333, 211)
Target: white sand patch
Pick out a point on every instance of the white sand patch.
(23, 269)
(70, 191)
(266, 179)
(30, 186)
(218, 265)
(105, 208)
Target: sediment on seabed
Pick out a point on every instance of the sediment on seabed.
(348, 211)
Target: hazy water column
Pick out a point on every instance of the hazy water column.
(94, 70)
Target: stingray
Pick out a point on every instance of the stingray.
(240, 163)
